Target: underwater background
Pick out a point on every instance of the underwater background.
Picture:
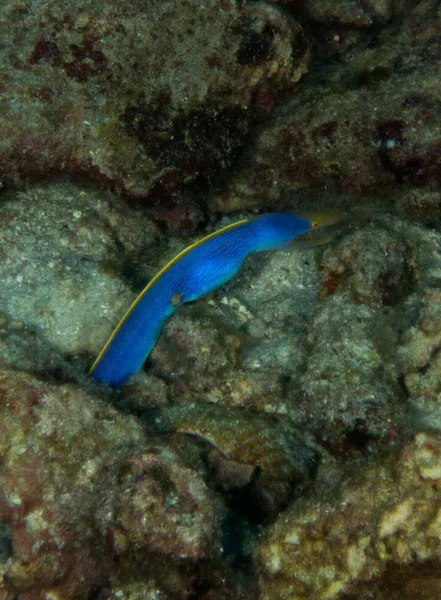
(283, 440)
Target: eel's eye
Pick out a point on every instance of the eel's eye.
(314, 224)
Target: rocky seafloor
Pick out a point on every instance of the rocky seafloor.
(283, 441)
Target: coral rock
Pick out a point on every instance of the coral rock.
(143, 97)
(161, 507)
(363, 124)
(350, 392)
(366, 538)
(84, 495)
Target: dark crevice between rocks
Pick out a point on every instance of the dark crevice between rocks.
(359, 439)
(99, 592)
(5, 544)
(238, 534)
(354, 443)
(256, 504)
(402, 385)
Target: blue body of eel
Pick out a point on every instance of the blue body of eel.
(196, 271)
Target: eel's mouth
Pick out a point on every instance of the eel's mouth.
(324, 228)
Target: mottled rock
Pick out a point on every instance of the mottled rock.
(326, 351)
(349, 396)
(374, 265)
(193, 352)
(144, 391)
(369, 536)
(360, 124)
(145, 97)
(419, 355)
(52, 469)
(88, 499)
(350, 392)
(161, 507)
(70, 259)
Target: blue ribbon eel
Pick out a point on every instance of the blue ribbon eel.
(193, 273)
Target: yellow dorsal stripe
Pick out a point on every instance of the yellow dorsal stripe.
(158, 275)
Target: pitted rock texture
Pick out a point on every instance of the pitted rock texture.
(90, 500)
(368, 537)
(361, 124)
(144, 97)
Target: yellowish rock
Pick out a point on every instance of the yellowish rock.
(378, 531)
